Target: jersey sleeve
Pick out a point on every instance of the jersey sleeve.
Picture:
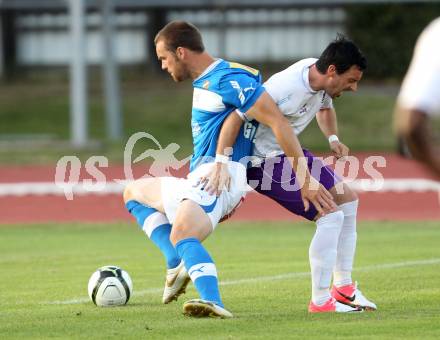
(240, 91)
(242, 115)
(327, 102)
(420, 88)
(279, 86)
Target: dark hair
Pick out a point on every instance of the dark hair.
(180, 34)
(342, 53)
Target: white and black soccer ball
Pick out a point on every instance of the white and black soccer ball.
(110, 286)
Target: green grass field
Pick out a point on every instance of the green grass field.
(263, 269)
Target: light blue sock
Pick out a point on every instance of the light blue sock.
(157, 228)
(200, 268)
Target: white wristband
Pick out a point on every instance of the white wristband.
(333, 138)
(221, 159)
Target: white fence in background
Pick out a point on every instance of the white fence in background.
(45, 40)
(250, 35)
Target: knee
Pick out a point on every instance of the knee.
(330, 220)
(187, 226)
(129, 192)
(178, 232)
(347, 196)
(350, 196)
(339, 217)
(137, 190)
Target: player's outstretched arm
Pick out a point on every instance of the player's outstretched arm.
(219, 178)
(328, 124)
(266, 112)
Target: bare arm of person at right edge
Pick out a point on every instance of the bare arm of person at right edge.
(415, 128)
(266, 112)
(419, 100)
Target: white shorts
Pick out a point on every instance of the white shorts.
(175, 190)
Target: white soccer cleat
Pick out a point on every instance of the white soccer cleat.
(200, 308)
(363, 302)
(175, 284)
(352, 296)
(333, 306)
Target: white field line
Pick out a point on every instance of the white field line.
(111, 187)
(259, 279)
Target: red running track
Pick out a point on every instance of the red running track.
(109, 208)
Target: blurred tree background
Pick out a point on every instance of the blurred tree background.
(387, 34)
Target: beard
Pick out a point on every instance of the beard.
(178, 77)
(180, 73)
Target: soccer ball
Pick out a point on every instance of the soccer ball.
(110, 286)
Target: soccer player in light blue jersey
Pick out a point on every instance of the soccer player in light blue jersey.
(177, 214)
(218, 91)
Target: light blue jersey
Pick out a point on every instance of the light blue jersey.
(221, 89)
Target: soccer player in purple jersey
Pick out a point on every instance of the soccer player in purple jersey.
(305, 91)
